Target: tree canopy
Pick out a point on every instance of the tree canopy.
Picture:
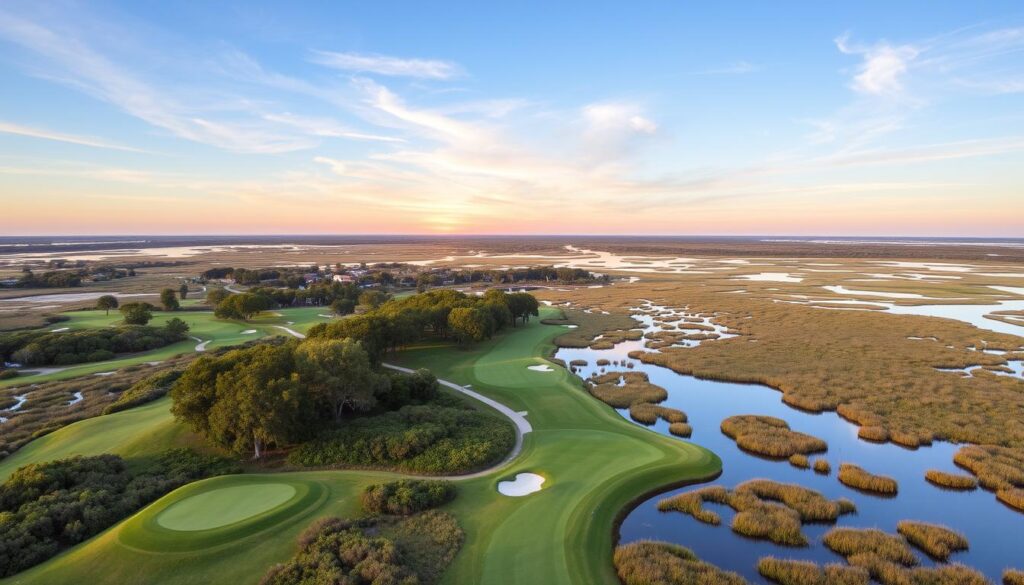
(136, 313)
(106, 302)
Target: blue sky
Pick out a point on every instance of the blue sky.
(769, 118)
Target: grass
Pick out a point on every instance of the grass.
(634, 389)
(811, 505)
(856, 477)
(799, 460)
(1013, 577)
(850, 542)
(565, 530)
(790, 572)
(822, 466)
(938, 541)
(588, 326)
(1013, 497)
(680, 429)
(997, 468)
(648, 414)
(692, 503)
(659, 563)
(953, 481)
(769, 436)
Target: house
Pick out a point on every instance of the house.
(344, 278)
(311, 277)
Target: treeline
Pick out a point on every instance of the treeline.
(441, 313)
(44, 348)
(270, 276)
(510, 276)
(341, 297)
(46, 508)
(50, 279)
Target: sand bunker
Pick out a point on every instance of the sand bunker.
(523, 485)
(540, 368)
(248, 332)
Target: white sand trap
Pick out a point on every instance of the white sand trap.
(78, 398)
(248, 332)
(771, 277)
(523, 485)
(570, 326)
(540, 368)
(325, 316)
(61, 330)
(104, 374)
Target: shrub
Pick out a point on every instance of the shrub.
(429, 438)
(43, 348)
(821, 466)
(855, 477)
(769, 436)
(375, 551)
(938, 541)
(955, 481)
(8, 374)
(143, 391)
(648, 562)
(789, 572)
(48, 507)
(851, 542)
(680, 429)
(407, 496)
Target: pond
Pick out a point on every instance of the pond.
(994, 531)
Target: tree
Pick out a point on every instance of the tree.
(338, 373)
(373, 298)
(242, 306)
(470, 323)
(343, 306)
(106, 302)
(522, 306)
(137, 313)
(216, 295)
(183, 291)
(177, 327)
(244, 400)
(168, 300)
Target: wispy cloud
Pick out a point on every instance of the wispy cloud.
(386, 65)
(883, 67)
(20, 130)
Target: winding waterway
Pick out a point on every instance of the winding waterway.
(995, 532)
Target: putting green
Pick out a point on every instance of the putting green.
(224, 506)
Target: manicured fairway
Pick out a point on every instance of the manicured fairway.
(224, 506)
(594, 463)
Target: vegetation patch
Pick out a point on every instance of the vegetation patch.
(791, 572)
(954, 481)
(769, 436)
(649, 562)
(799, 460)
(692, 503)
(146, 390)
(680, 429)
(46, 508)
(624, 389)
(853, 542)
(811, 505)
(1013, 497)
(997, 468)
(648, 414)
(856, 477)
(1013, 577)
(938, 541)
(407, 496)
(43, 348)
(376, 551)
(822, 466)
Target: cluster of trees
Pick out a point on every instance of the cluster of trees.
(242, 306)
(51, 279)
(43, 348)
(341, 297)
(45, 508)
(270, 276)
(439, 313)
(145, 390)
(407, 496)
(268, 395)
(510, 276)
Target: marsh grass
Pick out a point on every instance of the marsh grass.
(648, 562)
(811, 505)
(769, 436)
(856, 477)
(1013, 497)
(692, 503)
(822, 466)
(953, 481)
(997, 468)
(875, 434)
(680, 429)
(648, 414)
(634, 389)
(854, 542)
(791, 572)
(938, 541)
(588, 326)
(799, 460)
(1013, 577)
(890, 573)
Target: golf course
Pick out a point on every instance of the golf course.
(233, 528)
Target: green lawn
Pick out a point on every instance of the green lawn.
(202, 325)
(594, 461)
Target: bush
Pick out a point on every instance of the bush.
(8, 374)
(938, 541)
(855, 477)
(428, 438)
(47, 507)
(143, 391)
(649, 562)
(407, 496)
(376, 551)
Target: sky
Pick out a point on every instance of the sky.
(799, 118)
